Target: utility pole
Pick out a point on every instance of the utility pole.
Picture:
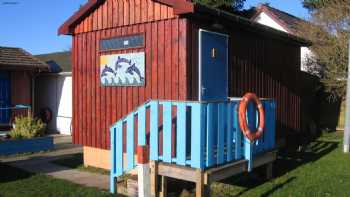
(347, 115)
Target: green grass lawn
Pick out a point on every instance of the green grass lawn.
(16, 182)
(320, 170)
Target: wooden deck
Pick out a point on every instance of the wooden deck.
(197, 137)
(203, 178)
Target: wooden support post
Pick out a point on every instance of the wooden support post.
(200, 187)
(143, 171)
(269, 171)
(112, 181)
(164, 187)
(154, 178)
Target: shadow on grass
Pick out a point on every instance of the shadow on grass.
(9, 174)
(277, 187)
(290, 160)
(286, 162)
(73, 161)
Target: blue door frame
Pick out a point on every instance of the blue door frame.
(5, 97)
(213, 66)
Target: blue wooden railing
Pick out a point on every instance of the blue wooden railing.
(196, 134)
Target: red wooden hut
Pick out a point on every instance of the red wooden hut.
(18, 70)
(169, 36)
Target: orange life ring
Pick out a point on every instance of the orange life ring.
(252, 136)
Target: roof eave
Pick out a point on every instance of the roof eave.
(199, 8)
(179, 6)
(66, 28)
(24, 67)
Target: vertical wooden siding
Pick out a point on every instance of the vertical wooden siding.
(21, 89)
(271, 69)
(96, 108)
(258, 64)
(118, 13)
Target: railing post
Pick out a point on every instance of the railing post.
(154, 130)
(248, 145)
(238, 134)
(144, 184)
(112, 153)
(130, 152)
(181, 134)
(272, 135)
(229, 132)
(211, 132)
(197, 135)
(221, 133)
(141, 126)
(167, 118)
(248, 152)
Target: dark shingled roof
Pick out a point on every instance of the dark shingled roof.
(58, 61)
(17, 58)
(286, 20)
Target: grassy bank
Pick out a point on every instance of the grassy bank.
(16, 182)
(319, 170)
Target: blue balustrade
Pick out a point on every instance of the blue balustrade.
(207, 134)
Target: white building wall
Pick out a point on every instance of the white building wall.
(307, 58)
(268, 21)
(55, 92)
(64, 104)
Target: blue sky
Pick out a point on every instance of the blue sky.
(294, 7)
(33, 24)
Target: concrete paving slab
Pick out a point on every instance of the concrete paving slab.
(41, 163)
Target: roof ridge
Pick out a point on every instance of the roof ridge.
(6, 47)
(288, 21)
(282, 11)
(52, 53)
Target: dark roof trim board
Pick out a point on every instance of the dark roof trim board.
(179, 6)
(184, 7)
(84, 11)
(250, 25)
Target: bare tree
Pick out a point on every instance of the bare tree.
(227, 5)
(328, 30)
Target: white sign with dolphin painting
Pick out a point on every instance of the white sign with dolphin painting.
(123, 69)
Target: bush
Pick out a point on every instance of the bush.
(27, 127)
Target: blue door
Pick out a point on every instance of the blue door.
(5, 98)
(213, 66)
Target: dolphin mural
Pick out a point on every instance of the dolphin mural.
(119, 61)
(133, 69)
(107, 70)
(123, 69)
